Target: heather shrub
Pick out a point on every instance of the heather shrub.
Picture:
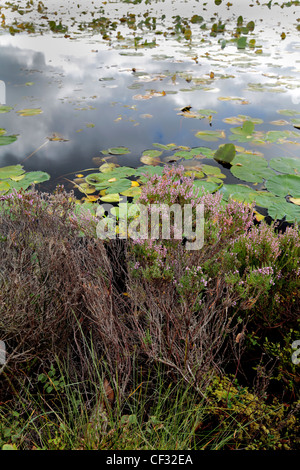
(46, 269)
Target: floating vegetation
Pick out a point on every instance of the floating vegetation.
(15, 177)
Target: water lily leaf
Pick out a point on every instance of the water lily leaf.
(251, 168)
(118, 186)
(95, 178)
(284, 185)
(29, 112)
(11, 171)
(195, 174)
(118, 151)
(212, 171)
(107, 167)
(281, 209)
(225, 153)
(149, 170)
(241, 42)
(211, 136)
(246, 130)
(122, 171)
(132, 192)
(165, 147)
(206, 112)
(151, 157)
(184, 154)
(235, 191)
(4, 187)
(152, 153)
(32, 177)
(286, 165)
(86, 188)
(209, 186)
(288, 112)
(7, 139)
(274, 136)
(110, 198)
(5, 109)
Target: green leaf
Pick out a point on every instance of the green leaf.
(7, 139)
(118, 186)
(282, 209)
(11, 171)
(284, 185)
(5, 109)
(29, 112)
(285, 165)
(95, 178)
(251, 168)
(32, 177)
(225, 153)
(241, 42)
(118, 151)
(210, 136)
(288, 112)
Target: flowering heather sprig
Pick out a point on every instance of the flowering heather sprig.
(170, 188)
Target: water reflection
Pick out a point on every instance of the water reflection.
(89, 95)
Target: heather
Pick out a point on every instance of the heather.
(143, 344)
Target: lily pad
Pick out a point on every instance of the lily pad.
(211, 136)
(225, 153)
(284, 185)
(29, 112)
(111, 198)
(32, 177)
(7, 139)
(11, 171)
(118, 151)
(132, 192)
(118, 186)
(286, 165)
(288, 112)
(282, 209)
(5, 109)
(251, 168)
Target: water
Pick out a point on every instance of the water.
(89, 89)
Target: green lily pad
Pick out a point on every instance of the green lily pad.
(212, 171)
(4, 187)
(210, 136)
(118, 186)
(95, 178)
(107, 167)
(251, 168)
(11, 171)
(118, 151)
(7, 139)
(29, 112)
(225, 153)
(149, 170)
(284, 185)
(288, 112)
(32, 177)
(132, 192)
(165, 147)
(209, 186)
(5, 109)
(285, 165)
(282, 209)
(111, 198)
